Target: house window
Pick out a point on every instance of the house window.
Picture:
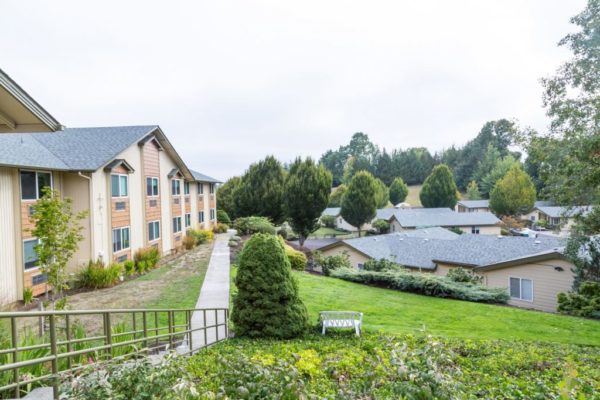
(176, 224)
(152, 186)
(200, 188)
(153, 231)
(360, 266)
(119, 185)
(175, 187)
(212, 214)
(475, 230)
(186, 188)
(211, 188)
(30, 257)
(521, 289)
(39, 279)
(201, 216)
(120, 237)
(32, 183)
(188, 220)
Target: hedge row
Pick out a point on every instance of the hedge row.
(427, 284)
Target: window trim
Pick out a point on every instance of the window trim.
(36, 267)
(213, 214)
(521, 288)
(173, 187)
(475, 230)
(187, 217)
(120, 196)
(156, 221)
(201, 220)
(152, 178)
(186, 188)
(200, 189)
(180, 226)
(121, 228)
(211, 188)
(37, 188)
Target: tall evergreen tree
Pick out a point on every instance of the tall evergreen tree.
(306, 194)
(439, 189)
(514, 194)
(382, 194)
(359, 205)
(385, 169)
(497, 172)
(226, 196)
(473, 191)
(398, 191)
(267, 303)
(261, 191)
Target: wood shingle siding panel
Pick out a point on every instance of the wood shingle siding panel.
(8, 242)
(151, 159)
(120, 218)
(26, 224)
(176, 209)
(152, 204)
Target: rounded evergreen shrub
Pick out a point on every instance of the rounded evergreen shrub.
(267, 303)
(297, 259)
(223, 218)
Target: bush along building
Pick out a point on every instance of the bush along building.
(136, 189)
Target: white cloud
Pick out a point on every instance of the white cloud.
(233, 81)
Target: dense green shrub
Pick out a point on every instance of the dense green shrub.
(463, 275)
(584, 303)
(422, 283)
(339, 366)
(380, 265)
(250, 225)
(96, 275)
(328, 221)
(146, 258)
(330, 263)
(129, 267)
(223, 218)
(201, 235)
(381, 226)
(267, 303)
(220, 228)
(297, 259)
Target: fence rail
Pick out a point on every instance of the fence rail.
(64, 346)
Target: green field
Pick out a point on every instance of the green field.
(413, 196)
(329, 232)
(399, 313)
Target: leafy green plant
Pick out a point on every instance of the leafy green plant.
(439, 189)
(464, 275)
(297, 259)
(584, 303)
(427, 284)
(96, 275)
(202, 235)
(220, 228)
(27, 296)
(381, 225)
(251, 225)
(328, 221)
(398, 191)
(331, 263)
(380, 265)
(189, 241)
(149, 256)
(222, 217)
(360, 203)
(129, 267)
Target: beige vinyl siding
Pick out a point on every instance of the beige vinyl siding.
(483, 230)
(166, 166)
(355, 256)
(547, 282)
(8, 246)
(77, 188)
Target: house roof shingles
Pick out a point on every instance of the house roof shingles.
(199, 177)
(563, 211)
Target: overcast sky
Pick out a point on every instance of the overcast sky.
(232, 81)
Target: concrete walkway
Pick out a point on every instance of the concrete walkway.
(214, 294)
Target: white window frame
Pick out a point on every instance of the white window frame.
(213, 214)
(120, 196)
(201, 216)
(186, 188)
(37, 187)
(156, 230)
(200, 188)
(23, 250)
(188, 220)
(175, 183)
(520, 288)
(152, 179)
(173, 224)
(121, 228)
(475, 230)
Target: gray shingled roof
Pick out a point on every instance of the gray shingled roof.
(199, 177)
(332, 211)
(410, 218)
(76, 149)
(475, 203)
(558, 211)
(466, 250)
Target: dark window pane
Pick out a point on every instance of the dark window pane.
(28, 188)
(125, 234)
(30, 258)
(114, 184)
(155, 186)
(515, 288)
(44, 180)
(149, 186)
(124, 190)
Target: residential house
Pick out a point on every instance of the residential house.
(561, 217)
(463, 206)
(534, 271)
(135, 188)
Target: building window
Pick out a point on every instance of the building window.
(211, 188)
(152, 186)
(212, 214)
(521, 289)
(30, 257)
(188, 220)
(119, 185)
(360, 266)
(201, 216)
(120, 237)
(176, 224)
(39, 279)
(475, 230)
(186, 188)
(32, 183)
(200, 188)
(153, 231)
(175, 187)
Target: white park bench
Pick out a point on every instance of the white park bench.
(341, 319)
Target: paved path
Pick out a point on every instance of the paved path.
(214, 294)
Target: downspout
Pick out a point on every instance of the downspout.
(91, 200)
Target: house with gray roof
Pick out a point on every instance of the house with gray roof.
(137, 190)
(534, 271)
(472, 206)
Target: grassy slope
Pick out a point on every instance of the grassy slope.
(324, 231)
(398, 312)
(413, 196)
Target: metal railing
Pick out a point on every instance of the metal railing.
(68, 344)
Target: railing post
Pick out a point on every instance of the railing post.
(226, 323)
(54, 352)
(14, 342)
(170, 322)
(108, 331)
(134, 326)
(145, 327)
(205, 324)
(216, 325)
(189, 328)
(68, 334)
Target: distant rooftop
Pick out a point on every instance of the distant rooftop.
(199, 177)
(563, 211)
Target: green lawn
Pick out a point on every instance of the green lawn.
(328, 232)
(398, 312)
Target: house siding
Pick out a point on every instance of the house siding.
(152, 204)
(77, 189)
(355, 256)
(8, 244)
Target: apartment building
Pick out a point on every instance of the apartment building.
(136, 189)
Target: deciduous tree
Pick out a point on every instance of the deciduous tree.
(439, 189)
(382, 194)
(359, 205)
(514, 194)
(336, 197)
(398, 191)
(473, 191)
